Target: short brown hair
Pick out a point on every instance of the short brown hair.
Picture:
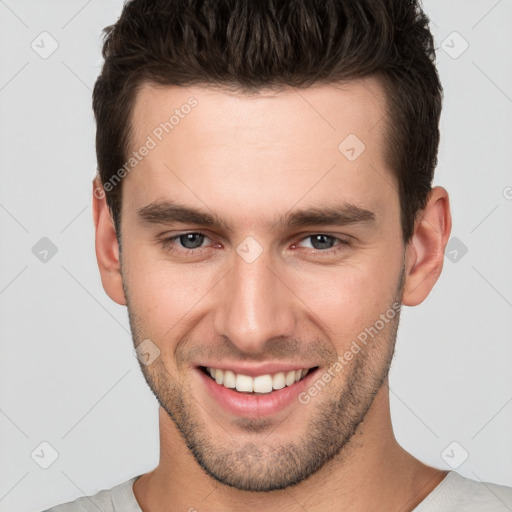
(248, 45)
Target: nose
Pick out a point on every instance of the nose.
(254, 305)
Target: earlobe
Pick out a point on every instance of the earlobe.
(107, 247)
(425, 250)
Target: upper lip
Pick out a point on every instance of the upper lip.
(253, 370)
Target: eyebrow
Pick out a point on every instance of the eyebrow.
(167, 212)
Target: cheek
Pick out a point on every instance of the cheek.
(164, 296)
(349, 299)
(172, 299)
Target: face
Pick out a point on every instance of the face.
(261, 238)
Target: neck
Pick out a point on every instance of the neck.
(372, 472)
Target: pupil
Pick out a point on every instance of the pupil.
(322, 241)
(191, 240)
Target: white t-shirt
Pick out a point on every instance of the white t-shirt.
(454, 494)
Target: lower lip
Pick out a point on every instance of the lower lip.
(255, 405)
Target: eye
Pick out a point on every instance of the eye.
(191, 240)
(184, 242)
(196, 243)
(323, 242)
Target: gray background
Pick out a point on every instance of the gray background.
(68, 376)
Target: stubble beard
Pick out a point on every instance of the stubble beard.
(263, 465)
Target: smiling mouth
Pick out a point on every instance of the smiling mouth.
(261, 384)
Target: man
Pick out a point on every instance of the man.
(263, 209)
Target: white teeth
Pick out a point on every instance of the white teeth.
(229, 379)
(260, 384)
(263, 384)
(290, 378)
(244, 383)
(278, 381)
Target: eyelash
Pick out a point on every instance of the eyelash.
(168, 244)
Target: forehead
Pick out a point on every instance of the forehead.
(261, 149)
(357, 104)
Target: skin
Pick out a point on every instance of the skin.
(250, 159)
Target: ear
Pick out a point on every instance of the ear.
(425, 250)
(107, 247)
